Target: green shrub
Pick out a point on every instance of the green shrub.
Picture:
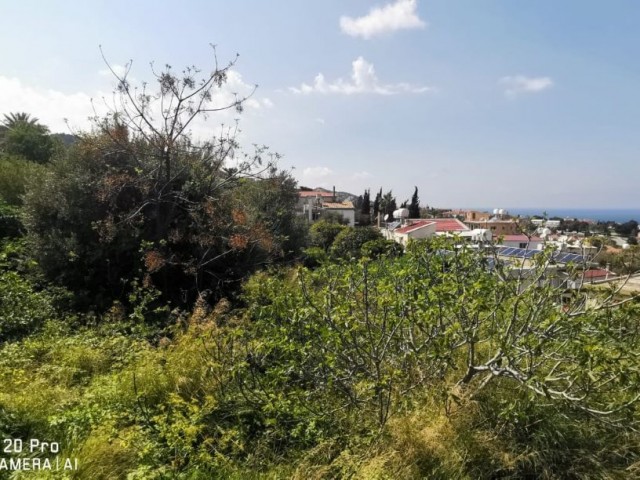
(381, 248)
(314, 257)
(15, 173)
(349, 242)
(22, 309)
(324, 232)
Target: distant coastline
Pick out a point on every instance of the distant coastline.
(619, 215)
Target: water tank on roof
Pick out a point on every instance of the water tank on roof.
(501, 211)
(496, 211)
(481, 235)
(401, 213)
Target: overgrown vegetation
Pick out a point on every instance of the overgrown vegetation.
(164, 314)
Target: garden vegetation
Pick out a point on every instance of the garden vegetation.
(164, 313)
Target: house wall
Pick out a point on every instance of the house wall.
(426, 231)
(533, 245)
(347, 213)
(497, 228)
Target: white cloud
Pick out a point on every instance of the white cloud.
(400, 15)
(52, 107)
(318, 177)
(363, 80)
(519, 84)
(320, 121)
(119, 70)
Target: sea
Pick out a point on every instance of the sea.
(619, 215)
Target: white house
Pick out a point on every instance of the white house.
(520, 241)
(416, 230)
(346, 209)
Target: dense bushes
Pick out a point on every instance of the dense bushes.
(349, 242)
(366, 362)
(352, 369)
(22, 309)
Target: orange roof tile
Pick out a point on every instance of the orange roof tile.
(448, 225)
(414, 226)
(343, 205)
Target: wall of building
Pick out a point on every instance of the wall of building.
(347, 213)
(499, 227)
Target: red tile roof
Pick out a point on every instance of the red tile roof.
(414, 226)
(448, 225)
(338, 206)
(597, 273)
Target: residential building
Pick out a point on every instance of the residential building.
(498, 226)
(520, 241)
(417, 229)
(345, 209)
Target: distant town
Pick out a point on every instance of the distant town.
(603, 249)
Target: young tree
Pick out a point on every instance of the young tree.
(349, 242)
(366, 203)
(376, 204)
(24, 137)
(324, 232)
(388, 204)
(438, 318)
(414, 206)
(140, 196)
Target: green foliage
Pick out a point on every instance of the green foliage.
(15, 173)
(314, 257)
(139, 198)
(627, 228)
(388, 204)
(349, 242)
(323, 233)
(381, 248)
(270, 202)
(414, 206)
(376, 205)
(366, 362)
(10, 223)
(27, 140)
(63, 212)
(334, 217)
(366, 203)
(22, 309)
(620, 261)
(375, 368)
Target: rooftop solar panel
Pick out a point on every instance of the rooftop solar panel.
(393, 225)
(518, 252)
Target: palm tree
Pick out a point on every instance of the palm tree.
(13, 119)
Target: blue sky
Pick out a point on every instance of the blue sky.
(478, 103)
